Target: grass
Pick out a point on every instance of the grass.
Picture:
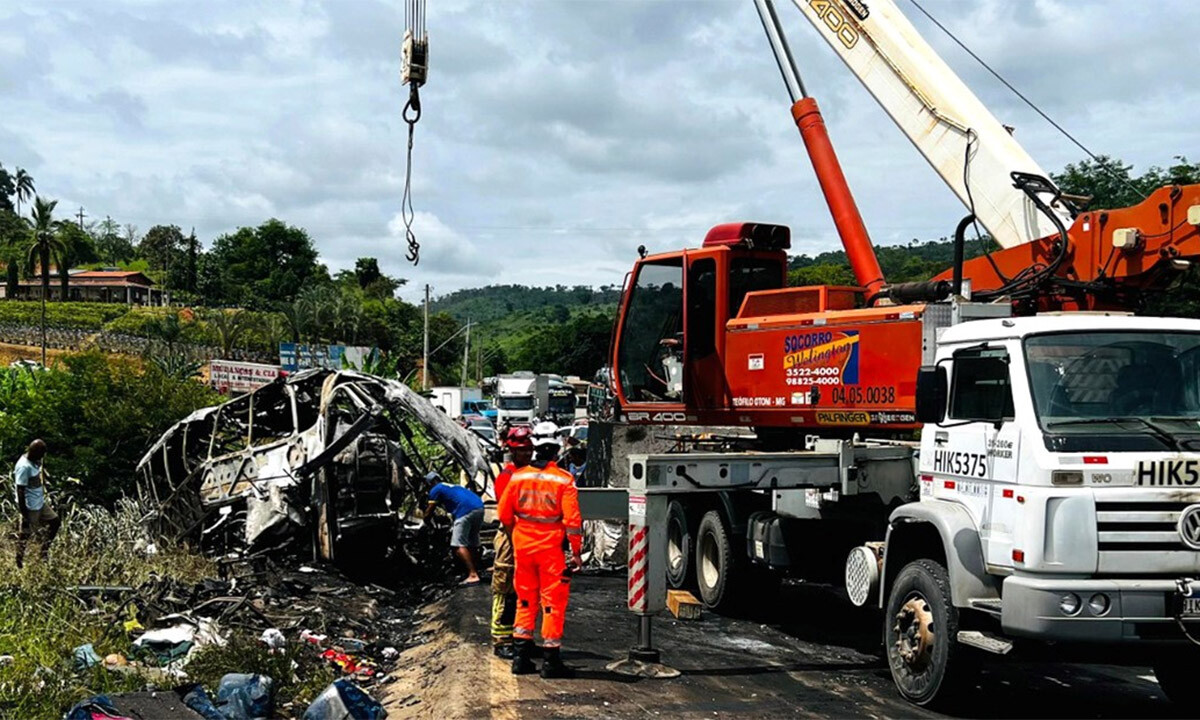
(42, 620)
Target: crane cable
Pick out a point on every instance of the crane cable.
(1099, 162)
(414, 73)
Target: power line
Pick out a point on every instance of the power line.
(1100, 163)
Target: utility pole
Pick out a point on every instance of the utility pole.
(479, 365)
(466, 355)
(80, 216)
(425, 363)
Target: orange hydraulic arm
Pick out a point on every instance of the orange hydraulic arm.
(837, 193)
(1106, 260)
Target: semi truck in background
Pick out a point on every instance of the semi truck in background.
(514, 398)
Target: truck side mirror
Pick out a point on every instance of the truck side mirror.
(931, 393)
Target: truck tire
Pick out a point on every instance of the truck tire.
(716, 564)
(1176, 675)
(680, 565)
(920, 635)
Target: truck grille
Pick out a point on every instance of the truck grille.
(1139, 537)
(1148, 526)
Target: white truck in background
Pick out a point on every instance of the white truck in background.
(514, 398)
(459, 401)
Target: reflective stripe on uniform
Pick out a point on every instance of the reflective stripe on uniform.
(550, 520)
(574, 531)
(552, 477)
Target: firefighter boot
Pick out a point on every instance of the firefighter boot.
(553, 667)
(504, 651)
(521, 664)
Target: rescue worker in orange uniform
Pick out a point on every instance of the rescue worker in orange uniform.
(519, 441)
(541, 508)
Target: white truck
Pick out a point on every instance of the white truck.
(458, 401)
(514, 400)
(1059, 474)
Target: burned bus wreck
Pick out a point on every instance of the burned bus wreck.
(332, 457)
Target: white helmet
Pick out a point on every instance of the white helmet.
(546, 433)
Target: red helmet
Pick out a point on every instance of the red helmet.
(518, 437)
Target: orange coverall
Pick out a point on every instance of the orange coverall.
(541, 505)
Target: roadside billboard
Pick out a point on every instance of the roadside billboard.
(234, 378)
(294, 357)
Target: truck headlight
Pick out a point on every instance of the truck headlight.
(1069, 604)
(1066, 477)
(1098, 604)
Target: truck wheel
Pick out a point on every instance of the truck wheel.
(715, 562)
(1176, 675)
(680, 568)
(920, 631)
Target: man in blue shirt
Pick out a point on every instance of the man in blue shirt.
(467, 510)
(37, 517)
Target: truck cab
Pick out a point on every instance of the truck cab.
(1059, 477)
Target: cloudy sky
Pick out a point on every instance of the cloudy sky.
(557, 135)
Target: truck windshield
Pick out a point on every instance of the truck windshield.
(1117, 382)
(515, 402)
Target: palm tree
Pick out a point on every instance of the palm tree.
(230, 325)
(23, 184)
(45, 241)
(76, 247)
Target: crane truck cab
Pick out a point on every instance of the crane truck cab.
(1059, 477)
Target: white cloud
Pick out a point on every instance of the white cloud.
(556, 137)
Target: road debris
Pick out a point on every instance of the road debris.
(343, 700)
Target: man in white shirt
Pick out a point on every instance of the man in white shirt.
(37, 517)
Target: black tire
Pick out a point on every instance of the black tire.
(929, 668)
(681, 568)
(717, 567)
(1176, 675)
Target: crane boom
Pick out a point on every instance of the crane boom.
(935, 109)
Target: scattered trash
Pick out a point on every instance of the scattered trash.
(175, 643)
(86, 657)
(391, 654)
(349, 664)
(352, 645)
(343, 700)
(244, 697)
(6, 660)
(115, 660)
(273, 638)
(97, 707)
(312, 638)
(195, 697)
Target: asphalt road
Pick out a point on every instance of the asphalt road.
(809, 654)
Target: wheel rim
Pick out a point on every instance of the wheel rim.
(710, 561)
(675, 554)
(915, 634)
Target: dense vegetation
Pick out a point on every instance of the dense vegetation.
(98, 414)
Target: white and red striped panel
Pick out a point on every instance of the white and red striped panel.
(639, 560)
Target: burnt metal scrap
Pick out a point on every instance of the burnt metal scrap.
(336, 457)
